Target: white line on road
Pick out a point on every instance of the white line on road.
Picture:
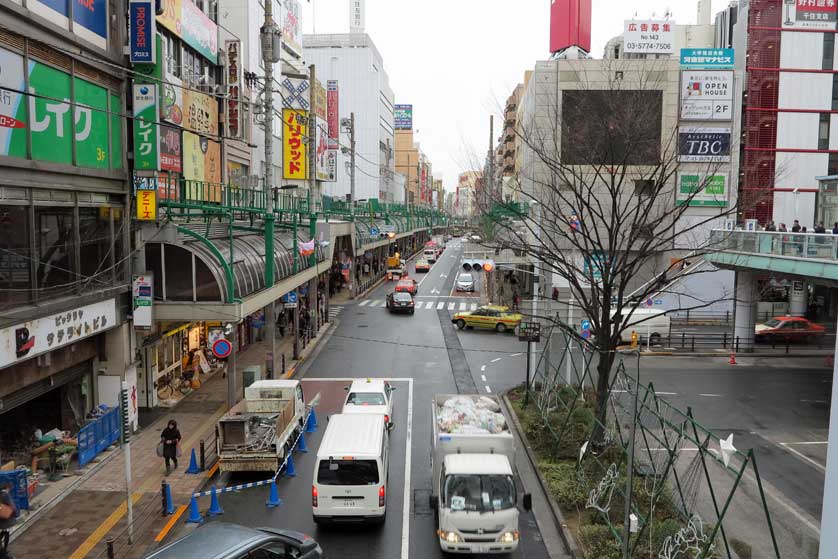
(666, 393)
(482, 368)
(710, 395)
(496, 359)
(406, 498)
(814, 401)
(451, 306)
(364, 303)
(516, 355)
(376, 303)
(804, 457)
(462, 306)
(483, 378)
(489, 390)
(806, 443)
(440, 305)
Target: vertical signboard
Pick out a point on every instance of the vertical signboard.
(232, 114)
(170, 149)
(356, 16)
(146, 205)
(143, 295)
(142, 26)
(403, 117)
(146, 138)
(333, 122)
(294, 154)
(649, 37)
(809, 14)
(292, 31)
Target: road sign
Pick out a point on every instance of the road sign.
(290, 297)
(650, 303)
(222, 348)
(586, 325)
(374, 231)
(659, 301)
(586, 334)
(529, 332)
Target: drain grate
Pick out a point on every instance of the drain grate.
(363, 326)
(422, 502)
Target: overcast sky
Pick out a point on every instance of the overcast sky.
(457, 60)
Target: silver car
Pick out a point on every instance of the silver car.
(465, 282)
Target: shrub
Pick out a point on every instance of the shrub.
(598, 542)
(564, 483)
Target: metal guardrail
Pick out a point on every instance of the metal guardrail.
(820, 246)
(693, 342)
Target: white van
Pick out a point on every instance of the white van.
(430, 255)
(651, 323)
(350, 475)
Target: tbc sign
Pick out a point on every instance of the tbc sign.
(704, 144)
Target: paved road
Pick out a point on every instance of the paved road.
(428, 356)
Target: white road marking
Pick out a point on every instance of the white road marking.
(496, 359)
(482, 368)
(440, 305)
(474, 306)
(516, 354)
(805, 443)
(443, 275)
(814, 401)
(376, 303)
(406, 498)
(711, 395)
(364, 303)
(666, 393)
(804, 457)
(451, 306)
(462, 306)
(383, 303)
(483, 378)
(489, 390)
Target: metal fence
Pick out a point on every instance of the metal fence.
(98, 435)
(821, 246)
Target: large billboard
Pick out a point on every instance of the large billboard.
(809, 14)
(187, 21)
(704, 144)
(294, 152)
(707, 58)
(707, 95)
(649, 37)
(403, 117)
(200, 112)
(291, 27)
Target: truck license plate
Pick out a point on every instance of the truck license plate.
(349, 504)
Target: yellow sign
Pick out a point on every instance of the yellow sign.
(320, 102)
(147, 205)
(294, 152)
(200, 113)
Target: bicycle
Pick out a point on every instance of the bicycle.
(166, 385)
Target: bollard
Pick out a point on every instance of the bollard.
(109, 542)
(163, 498)
(724, 341)
(693, 345)
(683, 340)
(215, 506)
(273, 497)
(194, 514)
(193, 464)
(737, 344)
(168, 505)
(283, 364)
(203, 456)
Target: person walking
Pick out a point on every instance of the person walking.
(819, 228)
(170, 439)
(8, 518)
(795, 228)
(835, 228)
(770, 226)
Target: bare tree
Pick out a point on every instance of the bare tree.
(600, 181)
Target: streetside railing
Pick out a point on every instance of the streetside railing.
(821, 246)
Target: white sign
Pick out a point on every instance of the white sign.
(142, 296)
(809, 14)
(32, 338)
(292, 27)
(357, 16)
(649, 37)
(707, 95)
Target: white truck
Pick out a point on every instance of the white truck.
(473, 487)
(258, 433)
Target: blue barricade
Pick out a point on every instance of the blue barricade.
(98, 435)
(20, 487)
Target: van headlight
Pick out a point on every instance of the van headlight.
(508, 537)
(449, 537)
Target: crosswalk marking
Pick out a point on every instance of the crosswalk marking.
(462, 306)
(440, 305)
(451, 306)
(433, 304)
(383, 304)
(364, 303)
(376, 303)
(334, 311)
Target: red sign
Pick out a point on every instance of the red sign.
(333, 112)
(222, 348)
(171, 158)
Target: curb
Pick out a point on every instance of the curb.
(569, 543)
(299, 370)
(726, 354)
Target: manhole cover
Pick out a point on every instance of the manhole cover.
(421, 502)
(363, 326)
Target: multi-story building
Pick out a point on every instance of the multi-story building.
(65, 206)
(465, 197)
(356, 64)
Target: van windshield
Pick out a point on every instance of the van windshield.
(366, 399)
(347, 472)
(480, 493)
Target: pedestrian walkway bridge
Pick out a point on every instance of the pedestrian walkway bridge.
(810, 255)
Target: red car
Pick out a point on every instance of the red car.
(788, 328)
(407, 285)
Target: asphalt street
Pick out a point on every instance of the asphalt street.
(424, 355)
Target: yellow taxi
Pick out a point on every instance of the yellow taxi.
(490, 317)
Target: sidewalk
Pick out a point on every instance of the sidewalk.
(81, 522)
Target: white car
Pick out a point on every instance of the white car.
(370, 396)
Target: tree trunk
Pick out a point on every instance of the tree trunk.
(603, 384)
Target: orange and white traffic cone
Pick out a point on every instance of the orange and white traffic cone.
(733, 359)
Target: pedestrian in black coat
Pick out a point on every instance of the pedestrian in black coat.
(170, 437)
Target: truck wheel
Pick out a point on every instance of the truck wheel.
(461, 324)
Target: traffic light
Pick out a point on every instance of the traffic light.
(477, 265)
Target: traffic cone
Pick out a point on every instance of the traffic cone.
(167, 491)
(290, 471)
(273, 497)
(194, 514)
(215, 507)
(301, 444)
(733, 359)
(193, 464)
(311, 423)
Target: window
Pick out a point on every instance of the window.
(15, 271)
(366, 399)
(347, 472)
(828, 51)
(55, 246)
(823, 131)
(173, 54)
(479, 493)
(644, 187)
(833, 164)
(96, 245)
(835, 92)
(274, 550)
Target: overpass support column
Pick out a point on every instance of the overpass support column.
(829, 516)
(798, 298)
(745, 315)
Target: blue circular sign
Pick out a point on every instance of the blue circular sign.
(374, 231)
(222, 348)
(586, 325)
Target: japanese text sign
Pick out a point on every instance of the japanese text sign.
(294, 152)
(147, 205)
(143, 28)
(649, 36)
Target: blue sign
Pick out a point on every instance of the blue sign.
(93, 16)
(374, 231)
(142, 28)
(707, 58)
(586, 334)
(290, 297)
(586, 325)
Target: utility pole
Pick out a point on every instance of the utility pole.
(268, 33)
(352, 165)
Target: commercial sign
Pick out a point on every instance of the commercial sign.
(707, 95)
(202, 166)
(649, 37)
(333, 112)
(187, 21)
(809, 14)
(707, 58)
(142, 288)
(403, 117)
(295, 94)
(294, 153)
(325, 157)
(319, 100)
(200, 113)
(292, 30)
(142, 26)
(704, 144)
(29, 339)
(89, 16)
(701, 189)
(233, 114)
(171, 151)
(146, 205)
(146, 136)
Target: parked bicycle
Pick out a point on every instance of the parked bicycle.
(167, 384)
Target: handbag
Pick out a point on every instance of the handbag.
(6, 511)
(160, 449)
(178, 450)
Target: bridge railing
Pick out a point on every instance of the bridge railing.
(821, 246)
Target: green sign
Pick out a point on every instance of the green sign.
(146, 136)
(59, 116)
(697, 189)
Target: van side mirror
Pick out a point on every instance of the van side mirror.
(527, 502)
(390, 425)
